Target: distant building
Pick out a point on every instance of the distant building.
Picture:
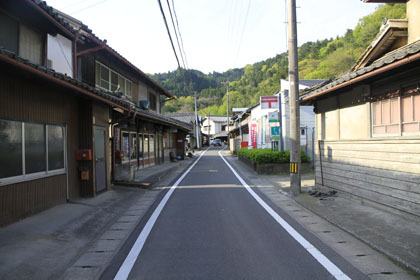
(257, 120)
(194, 136)
(213, 124)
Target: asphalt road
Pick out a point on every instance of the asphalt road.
(212, 228)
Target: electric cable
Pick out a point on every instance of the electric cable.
(176, 34)
(242, 33)
(179, 32)
(169, 33)
(88, 7)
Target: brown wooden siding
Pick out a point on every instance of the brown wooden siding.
(34, 100)
(24, 199)
(382, 171)
(85, 142)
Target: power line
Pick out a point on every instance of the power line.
(169, 33)
(176, 33)
(242, 33)
(88, 7)
(179, 32)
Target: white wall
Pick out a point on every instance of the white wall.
(59, 52)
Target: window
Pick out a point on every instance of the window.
(152, 100)
(410, 114)
(9, 33)
(59, 54)
(396, 116)
(146, 146)
(31, 44)
(129, 146)
(133, 146)
(55, 147)
(152, 146)
(30, 148)
(10, 149)
(125, 145)
(110, 80)
(21, 39)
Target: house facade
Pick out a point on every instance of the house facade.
(257, 118)
(213, 124)
(368, 121)
(72, 109)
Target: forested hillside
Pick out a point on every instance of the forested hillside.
(317, 60)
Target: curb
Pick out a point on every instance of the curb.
(367, 242)
(92, 263)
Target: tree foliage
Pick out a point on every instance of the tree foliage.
(323, 59)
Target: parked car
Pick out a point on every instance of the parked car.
(217, 142)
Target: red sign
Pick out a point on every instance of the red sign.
(253, 135)
(269, 102)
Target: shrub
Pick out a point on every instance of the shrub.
(269, 156)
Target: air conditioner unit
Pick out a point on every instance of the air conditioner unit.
(144, 104)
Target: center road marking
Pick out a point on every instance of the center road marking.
(323, 260)
(131, 258)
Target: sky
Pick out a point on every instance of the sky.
(217, 35)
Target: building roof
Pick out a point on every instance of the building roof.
(390, 32)
(311, 82)
(83, 32)
(13, 59)
(183, 117)
(111, 98)
(216, 118)
(398, 57)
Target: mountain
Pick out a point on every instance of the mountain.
(317, 60)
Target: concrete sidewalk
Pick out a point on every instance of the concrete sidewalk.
(397, 236)
(78, 239)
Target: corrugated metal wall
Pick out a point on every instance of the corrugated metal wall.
(38, 101)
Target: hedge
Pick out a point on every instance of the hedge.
(269, 156)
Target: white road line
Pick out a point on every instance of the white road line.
(131, 258)
(323, 260)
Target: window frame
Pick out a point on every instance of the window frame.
(131, 134)
(400, 115)
(42, 174)
(127, 83)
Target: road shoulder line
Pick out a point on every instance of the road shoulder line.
(321, 258)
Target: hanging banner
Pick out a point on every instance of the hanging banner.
(269, 102)
(273, 117)
(252, 142)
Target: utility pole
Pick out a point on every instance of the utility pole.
(208, 122)
(227, 112)
(197, 126)
(295, 184)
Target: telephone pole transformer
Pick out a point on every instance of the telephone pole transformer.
(295, 161)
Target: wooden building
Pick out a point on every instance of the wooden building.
(71, 110)
(368, 121)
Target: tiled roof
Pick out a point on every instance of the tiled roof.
(158, 117)
(88, 34)
(217, 118)
(183, 117)
(389, 58)
(111, 96)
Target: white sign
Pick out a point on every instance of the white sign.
(269, 102)
(273, 116)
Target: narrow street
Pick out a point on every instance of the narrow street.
(212, 227)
